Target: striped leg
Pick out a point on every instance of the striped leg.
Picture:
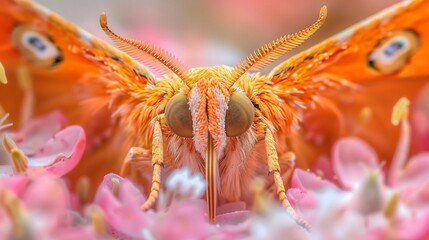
(274, 169)
(157, 163)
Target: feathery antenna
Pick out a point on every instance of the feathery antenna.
(152, 56)
(275, 49)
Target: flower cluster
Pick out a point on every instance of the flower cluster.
(362, 200)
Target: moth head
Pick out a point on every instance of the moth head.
(238, 118)
(209, 109)
(210, 105)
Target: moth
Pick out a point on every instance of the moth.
(229, 123)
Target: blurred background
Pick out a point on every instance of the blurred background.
(214, 32)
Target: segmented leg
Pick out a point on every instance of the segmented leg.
(289, 159)
(157, 163)
(137, 158)
(274, 169)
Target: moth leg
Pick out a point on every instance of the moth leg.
(157, 163)
(137, 159)
(274, 169)
(288, 160)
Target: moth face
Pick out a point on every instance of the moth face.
(209, 110)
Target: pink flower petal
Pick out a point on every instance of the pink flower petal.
(232, 218)
(352, 159)
(308, 181)
(323, 168)
(130, 192)
(302, 184)
(410, 228)
(420, 119)
(35, 133)
(417, 229)
(413, 183)
(300, 199)
(48, 201)
(239, 230)
(183, 221)
(48, 148)
(60, 154)
(421, 128)
(16, 184)
(123, 213)
(231, 207)
(416, 196)
(73, 233)
(415, 172)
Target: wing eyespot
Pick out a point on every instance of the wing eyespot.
(37, 47)
(393, 52)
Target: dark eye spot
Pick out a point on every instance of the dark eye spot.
(393, 48)
(36, 43)
(37, 47)
(394, 51)
(57, 60)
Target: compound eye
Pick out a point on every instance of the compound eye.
(36, 46)
(178, 116)
(394, 51)
(239, 116)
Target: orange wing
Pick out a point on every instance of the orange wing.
(52, 64)
(351, 81)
